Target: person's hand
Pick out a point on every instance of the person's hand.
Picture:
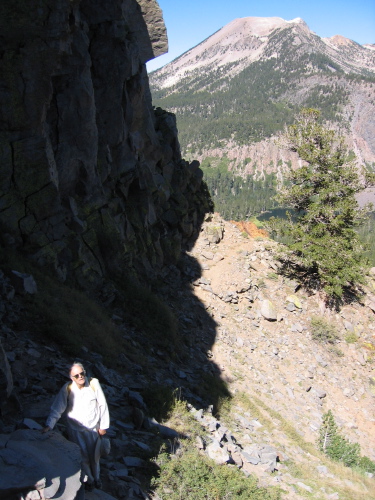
(102, 432)
(46, 429)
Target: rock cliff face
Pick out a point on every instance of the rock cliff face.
(91, 178)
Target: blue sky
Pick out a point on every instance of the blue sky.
(189, 22)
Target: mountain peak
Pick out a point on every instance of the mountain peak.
(339, 41)
(255, 26)
(260, 26)
(240, 42)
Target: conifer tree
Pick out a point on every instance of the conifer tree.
(331, 443)
(327, 432)
(324, 249)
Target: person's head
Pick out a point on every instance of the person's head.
(78, 374)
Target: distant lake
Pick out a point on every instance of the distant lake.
(275, 212)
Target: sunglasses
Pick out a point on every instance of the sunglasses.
(82, 374)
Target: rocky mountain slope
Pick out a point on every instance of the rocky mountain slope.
(250, 78)
(241, 325)
(93, 192)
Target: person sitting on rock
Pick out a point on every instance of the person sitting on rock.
(87, 417)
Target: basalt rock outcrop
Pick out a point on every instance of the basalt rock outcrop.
(33, 469)
(91, 176)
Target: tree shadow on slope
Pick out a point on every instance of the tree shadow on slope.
(310, 280)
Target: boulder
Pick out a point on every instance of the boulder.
(250, 457)
(214, 233)
(321, 393)
(293, 299)
(23, 283)
(268, 310)
(33, 464)
(217, 453)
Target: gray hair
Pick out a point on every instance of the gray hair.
(76, 363)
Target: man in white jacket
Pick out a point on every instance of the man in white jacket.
(87, 417)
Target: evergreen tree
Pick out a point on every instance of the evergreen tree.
(327, 432)
(336, 447)
(324, 248)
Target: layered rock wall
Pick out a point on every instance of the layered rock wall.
(91, 177)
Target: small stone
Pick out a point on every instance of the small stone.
(319, 392)
(304, 487)
(250, 458)
(290, 392)
(199, 442)
(348, 392)
(31, 424)
(268, 310)
(23, 283)
(121, 473)
(207, 255)
(322, 469)
(361, 358)
(293, 299)
(33, 353)
(348, 326)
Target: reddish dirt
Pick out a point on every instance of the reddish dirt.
(251, 229)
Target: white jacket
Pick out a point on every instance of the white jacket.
(87, 407)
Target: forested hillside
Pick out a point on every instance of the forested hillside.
(235, 197)
(234, 105)
(252, 105)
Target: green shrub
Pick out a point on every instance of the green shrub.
(334, 445)
(261, 284)
(323, 331)
(351, 338)
(257, 222)
(192, 476)
(336, 351)
(366, 465)
(159, 400)
(272, 276)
